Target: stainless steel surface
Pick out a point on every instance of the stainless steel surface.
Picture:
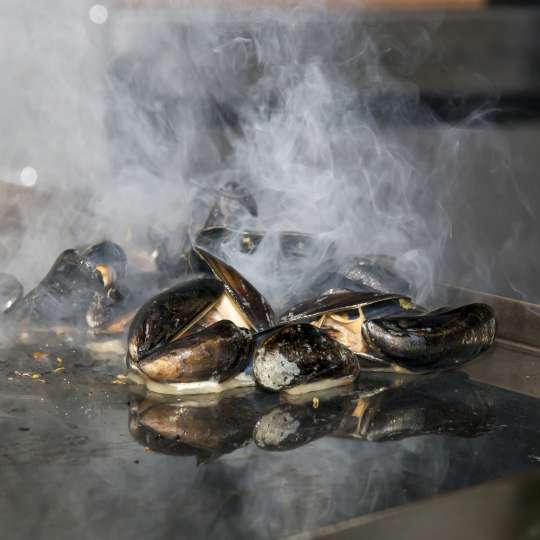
(69, 466)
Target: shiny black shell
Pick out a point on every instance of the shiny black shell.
(299, 354)
(166, 315)
(216, 353)
(256, 308)
(438, 340)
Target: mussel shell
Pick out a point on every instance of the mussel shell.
(375, 272)
(290, 426)
(233, 204)
(169, 313)
(299, 354)
(114, 310)
(11, 292)
(64, 294)
(244, 294)
(445, 404)
(335, 303)
(108, 254)
(217, 353)
(439, 340)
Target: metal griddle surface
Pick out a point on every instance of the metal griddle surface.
(69, 467)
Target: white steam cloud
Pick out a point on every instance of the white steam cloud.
(116, 117)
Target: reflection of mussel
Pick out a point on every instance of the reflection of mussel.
(444, 404)
(199, 426)
(291, 425)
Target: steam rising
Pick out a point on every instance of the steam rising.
(128, 119)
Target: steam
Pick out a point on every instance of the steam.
(120, 117)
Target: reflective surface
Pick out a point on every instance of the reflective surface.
(74, 460)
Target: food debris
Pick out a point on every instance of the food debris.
(59, 370)
(122, 377)
(59, 360)
(36, 375)
(39, 356)
(405, 304)
(315, 402)
(147, 449)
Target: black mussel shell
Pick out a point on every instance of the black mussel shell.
(234, 203)
(64, 294)
(299, 354)
(113, 310)
(335, 303)
(245, 295)
(444, 404)
(11, 292)
(377, 273)
(170, 313)
(106, 254)
(216, 353)
(439, 340)
(290, 426)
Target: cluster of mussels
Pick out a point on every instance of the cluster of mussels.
(196, 325)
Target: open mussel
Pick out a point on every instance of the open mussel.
(198, 332)
(301, 358)
(11, 292)
(258, 311)
(342, 314)
(108, 258)
(171, 314)
(438, 340)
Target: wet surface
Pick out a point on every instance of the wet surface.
(70, 465)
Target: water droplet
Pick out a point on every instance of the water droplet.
(98, 14)
(29, 176)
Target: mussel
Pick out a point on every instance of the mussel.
(108, 258)
(198, 332)
(111, 312)
(216, 353)
(11, 292)
(301, 358)
(342, 314)
(438, 340)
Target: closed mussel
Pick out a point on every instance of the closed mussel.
(302, 358)
(438, 340)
